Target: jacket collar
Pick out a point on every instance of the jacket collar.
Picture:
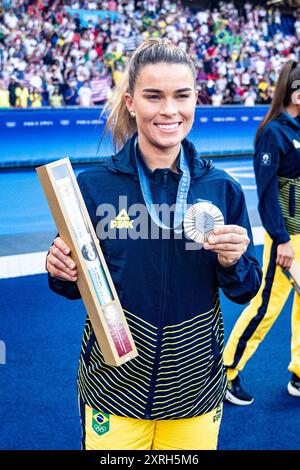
(124, 160)
(288, 119)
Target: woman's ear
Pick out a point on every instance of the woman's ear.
(295, 98)
(129, 102)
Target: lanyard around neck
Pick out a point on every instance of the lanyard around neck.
(182, 192)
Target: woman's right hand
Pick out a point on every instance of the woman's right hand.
(285, 255)
(59, 262)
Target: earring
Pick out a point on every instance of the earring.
(132, 114)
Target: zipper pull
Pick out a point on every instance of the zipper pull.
(165, 179)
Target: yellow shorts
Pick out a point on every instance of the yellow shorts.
(102, 431)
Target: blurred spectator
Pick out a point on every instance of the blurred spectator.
(35, 98)
(227, 98)
(250, 96)
(56, 99)
(112, 5)
(117, 74)
(71, 94)
(234, 46)
(245, 78)
(10, 19)
(203, 97)
(85, 95)
(217, 98)
(22, 96)
(4, 95)
(12, 91)
(263, 89)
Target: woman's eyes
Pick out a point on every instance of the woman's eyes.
(153, 97)
(157, 97)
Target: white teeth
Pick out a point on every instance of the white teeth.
(168, 126)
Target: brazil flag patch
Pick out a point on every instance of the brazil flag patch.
(100, 422)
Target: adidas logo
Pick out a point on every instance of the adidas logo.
(296, 144)
(122, 220)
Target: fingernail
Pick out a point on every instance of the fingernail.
(211, 239)
(72, 265)
(67, 251)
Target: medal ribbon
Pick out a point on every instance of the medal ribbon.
(182, 192)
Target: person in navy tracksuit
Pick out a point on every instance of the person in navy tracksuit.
(277, 171)
(170, 396)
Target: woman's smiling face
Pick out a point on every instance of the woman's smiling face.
(163, 100)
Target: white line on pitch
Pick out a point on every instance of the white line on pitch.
(258, 235)
(242, 175)
(22, 265)
(239, 168)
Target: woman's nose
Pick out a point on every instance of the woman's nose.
(169, 108)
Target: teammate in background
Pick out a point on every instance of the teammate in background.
(170, 396)
(277, 171)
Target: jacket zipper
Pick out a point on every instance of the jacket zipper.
(161, 313)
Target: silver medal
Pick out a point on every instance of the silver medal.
(200, 220)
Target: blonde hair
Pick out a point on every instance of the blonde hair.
(152, 51)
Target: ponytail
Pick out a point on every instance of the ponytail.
(119, 121)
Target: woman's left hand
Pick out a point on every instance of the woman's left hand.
(229, 242)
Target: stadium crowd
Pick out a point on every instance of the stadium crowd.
(52, 53)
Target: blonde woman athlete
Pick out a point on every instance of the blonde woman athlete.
(170, 396)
